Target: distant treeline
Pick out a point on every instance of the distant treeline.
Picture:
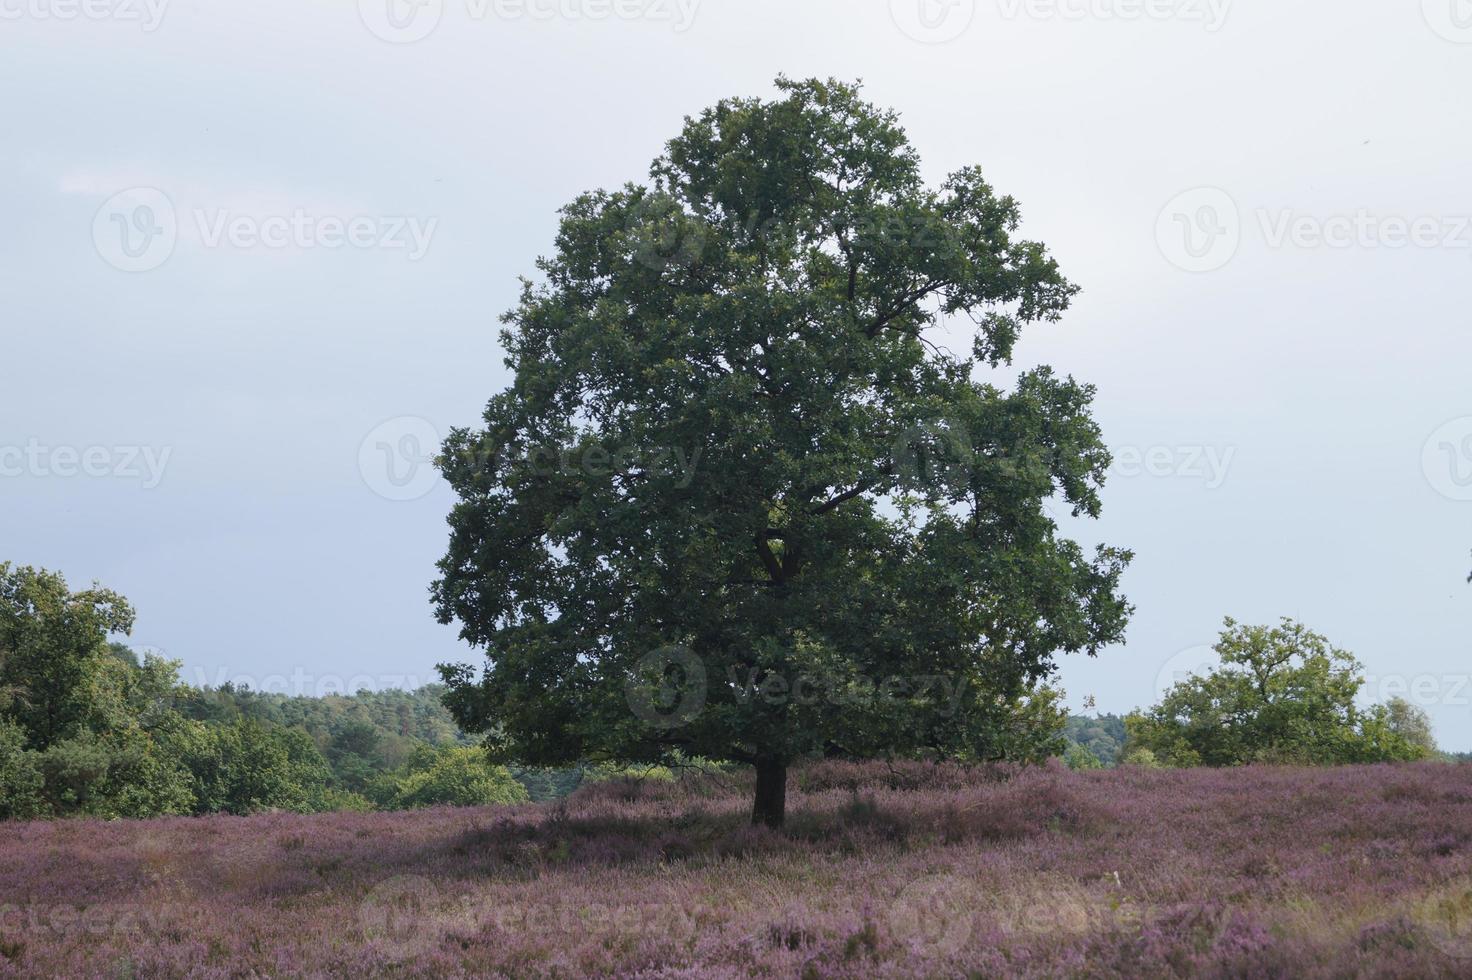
(87, 728)
(104, 734)
(1101, 736)
(361, 736)
(368, 736)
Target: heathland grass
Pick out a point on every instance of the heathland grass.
(905, 870)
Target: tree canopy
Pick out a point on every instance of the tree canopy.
(1282, 694)
(740, 501)
(49, 641)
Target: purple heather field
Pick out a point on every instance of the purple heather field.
(904, 870)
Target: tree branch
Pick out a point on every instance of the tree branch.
(773, 566)
(864, 487)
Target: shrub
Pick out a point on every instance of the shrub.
(122, 774)
(1142, 757)
(329, 799)
(20, 776)
(1078, 757)
(457, 776)
(246, 767)
(598, 774)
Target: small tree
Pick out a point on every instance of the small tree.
(738, 501)
(1411, 724)
(53, 643)
(20, 775)
(456, 776)
(1078, 757)
(247, 766)
(1282, 694)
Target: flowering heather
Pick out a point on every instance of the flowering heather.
(884, 871)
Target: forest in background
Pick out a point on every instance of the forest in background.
(368, 736)
(145, 744)
(88, 728)
(365, 737)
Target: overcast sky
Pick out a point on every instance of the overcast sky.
(253, 256)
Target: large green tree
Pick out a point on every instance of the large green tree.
(1282, 694)
(53, 646)
(740, 501)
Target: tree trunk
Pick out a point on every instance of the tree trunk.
(770, 806)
